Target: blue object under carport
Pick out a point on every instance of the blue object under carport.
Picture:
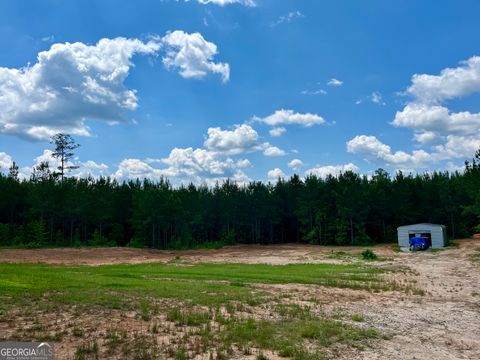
(418, 243)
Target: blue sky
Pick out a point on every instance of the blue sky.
(203, 90)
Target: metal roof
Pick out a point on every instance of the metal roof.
(427, 224)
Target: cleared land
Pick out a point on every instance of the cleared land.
(244, 302)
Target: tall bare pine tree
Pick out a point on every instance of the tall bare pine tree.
(64, 147)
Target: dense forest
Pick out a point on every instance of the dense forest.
(51, 209)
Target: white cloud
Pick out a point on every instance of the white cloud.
(273, 151)
(243, 163)
(69, 84)
(289, 117)
(334, 170)
(277, 131)
(276, 173)
(286, 19)
(451, 83)
(373, 150)
(425, 137)
(442, 134)
(93, 169)
(295, 164)
(242, 139)
(334, 82)
(49, 39)
(457, 147)
(5, 162)
(72, 83)
(314, 92)
(185, 165)
(227, 2)
(192, 55)
(46, 156)
(376, 98)
(437, 120)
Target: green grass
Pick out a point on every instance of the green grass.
(115, 286)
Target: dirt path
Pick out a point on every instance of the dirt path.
(443, 324)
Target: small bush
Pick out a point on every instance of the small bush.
(369, 255)
(357, 318)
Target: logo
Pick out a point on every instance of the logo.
(14, 350)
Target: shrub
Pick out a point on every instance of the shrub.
(369, 255)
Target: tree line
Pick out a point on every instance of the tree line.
(53, 209)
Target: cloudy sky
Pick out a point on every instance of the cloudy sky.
(204, 90)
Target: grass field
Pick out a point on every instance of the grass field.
(216, 310)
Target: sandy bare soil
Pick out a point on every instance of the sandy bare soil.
(269, 254)
(443, 323)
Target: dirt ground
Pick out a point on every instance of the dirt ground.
(268, 254)
(444, 323)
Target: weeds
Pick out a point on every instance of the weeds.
(86, 351)
(187, 317)
(369, 255)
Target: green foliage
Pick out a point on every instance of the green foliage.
(136, 243)
(99, 240)
(369, 255)
(345, 210)
(4, 234)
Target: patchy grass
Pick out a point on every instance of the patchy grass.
(218, 311)
(475, 257)
(188, 317)
(88, 350)
(114, 286)
(288, 337)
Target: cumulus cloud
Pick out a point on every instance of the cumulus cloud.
(93, 169)
(273, 151)
(185, 165)
(277, 131)
(69, 84)
(437, 120)
(5, 161)
(72, 83)
(334, 82)
(443, 135)
(192, 55)
(289, 117)
(242, 139)
(373, 150)
(334, 170)
(449, 84)
(295, 164)
(275, 174)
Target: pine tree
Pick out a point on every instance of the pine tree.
(64, 147)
